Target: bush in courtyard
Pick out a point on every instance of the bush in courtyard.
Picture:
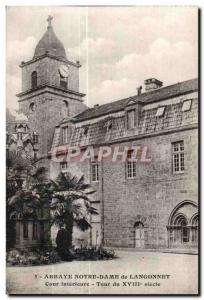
(93, 253)
(32, 257)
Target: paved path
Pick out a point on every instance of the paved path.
(179, 272)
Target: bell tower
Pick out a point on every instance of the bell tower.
(50, 88)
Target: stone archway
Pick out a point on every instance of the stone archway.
(138, 232)
(183, 225)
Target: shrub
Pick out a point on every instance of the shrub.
(36, 257)
(93, 253)
(32, 258)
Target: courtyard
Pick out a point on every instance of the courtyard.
(131, 273)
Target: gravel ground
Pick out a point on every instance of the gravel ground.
(131, 273)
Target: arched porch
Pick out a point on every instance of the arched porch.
(183, 225)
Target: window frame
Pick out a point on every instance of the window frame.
(131, 170)
(35, 231)
(94, 164)
(131, 110)
(35, 138)
(34, 80)
(25, 230)
(65, 136)
(179, 157)
(160, 111)
(19, 136)
(183, 104)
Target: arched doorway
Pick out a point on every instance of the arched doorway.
(183, 225)
(139, 235)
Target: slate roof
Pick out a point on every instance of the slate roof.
(51, 44)
(148, 123)
(174, 90)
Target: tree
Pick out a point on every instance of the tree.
(27, 191)
(71, 204)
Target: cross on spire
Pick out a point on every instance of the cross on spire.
(49, 20)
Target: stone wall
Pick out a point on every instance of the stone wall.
(149, 198)
(152, 195)
(48, 111)
(48, 73)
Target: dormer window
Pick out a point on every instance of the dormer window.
(108, 125)
(186, 105)
(160, 111)
(65, 135)
(34, 80)
(131, 118)
(85, 130)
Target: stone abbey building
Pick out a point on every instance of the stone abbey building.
(150, 205)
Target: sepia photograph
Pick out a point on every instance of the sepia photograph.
(102, 150)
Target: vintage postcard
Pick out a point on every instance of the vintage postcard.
(102, 150)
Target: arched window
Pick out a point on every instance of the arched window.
(182, 229)
(65, 103)
(195, 229)
(66, 108)
(32, 106)
(34, 80)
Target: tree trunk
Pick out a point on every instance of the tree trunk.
(69, 223)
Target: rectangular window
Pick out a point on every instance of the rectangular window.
(19, 135)
(35, 231)
(25, 230)
(65, 135)
(178, 157)
(131, 119)
(35, 139)
(186, 105)
(131, 165)
(94, 170)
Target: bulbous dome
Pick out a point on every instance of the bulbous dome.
(49, 43)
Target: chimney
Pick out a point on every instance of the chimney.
(152, 84)
(139, 90)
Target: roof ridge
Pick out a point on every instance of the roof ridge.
(151, 92)
(143, 97)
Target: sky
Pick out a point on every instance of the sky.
(118, 47)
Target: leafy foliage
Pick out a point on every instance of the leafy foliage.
(94, 254)
(67, 197)
(35, 257)
(68, 191)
